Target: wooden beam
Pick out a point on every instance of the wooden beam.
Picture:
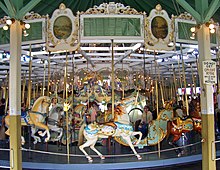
(213, 7)
(3, 7)
(27, 8)
(18, 4)
(189, 9)
(11, 11)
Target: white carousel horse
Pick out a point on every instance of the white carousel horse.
(53, 121)
(36, 118)
(120, 127)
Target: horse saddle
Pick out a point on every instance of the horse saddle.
(25, 116)
(107, 129)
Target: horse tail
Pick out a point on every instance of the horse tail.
(81, 136)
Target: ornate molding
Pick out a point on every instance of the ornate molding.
(111, 8)
(159, 30)
(63, 30)
(186, 16)
(29, 16)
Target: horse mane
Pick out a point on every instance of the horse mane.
(39, 101)
(55, 109)
(118, 111)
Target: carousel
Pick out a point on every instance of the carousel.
(107, 85)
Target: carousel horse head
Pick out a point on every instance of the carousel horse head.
(54, 121)
(41, 104)
(195, 108)
(168, 105)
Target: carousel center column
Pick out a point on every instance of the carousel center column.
(15, 96)
(207, 104)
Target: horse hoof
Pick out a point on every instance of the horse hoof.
(35, 142)
(102, 157)
(139, 157)
(40, 133)
(89, 159)
(179, 155)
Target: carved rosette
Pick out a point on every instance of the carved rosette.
(63, 30)
(159, 30)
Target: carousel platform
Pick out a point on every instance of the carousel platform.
(54, 157)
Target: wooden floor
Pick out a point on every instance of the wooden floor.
(52, 156)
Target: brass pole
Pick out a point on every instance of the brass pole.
(28, 103)
(23, 87)
(48, 79)
(184, 78)
(160, 83)
(174, 81)
(67, 114)
(157, 105)
(37, 90)
(73, 74)
(56, 89)
(34, 95)
(65, 79)
(113, 79)
(6, 93)
(43, 86)
(157, 96)
(193, 80)
(180, 79)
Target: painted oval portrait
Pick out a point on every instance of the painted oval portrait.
(62, 27)
(159, 27)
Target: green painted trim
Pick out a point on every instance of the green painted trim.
(18, 4)
(3, 7)
(213, 7)
(201, 6)
(189, 9)
(10, 9)
(27, 8)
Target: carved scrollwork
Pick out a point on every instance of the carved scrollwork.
(62, 31)
(159, 30)
(111, 8)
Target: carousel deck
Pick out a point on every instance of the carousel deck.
(52, 156)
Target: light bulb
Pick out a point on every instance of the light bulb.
(27, 26)
(193, 29)
(8, 21)
(5, 27)
(211, 26)
(25, 33)
(212, 31)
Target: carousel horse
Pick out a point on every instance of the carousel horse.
(120, 127)
(195, 114)
(36, 118)
(54, 121)
(157, 129)
(182, 124)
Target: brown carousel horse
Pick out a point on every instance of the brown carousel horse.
(35, 118)
(182, 124)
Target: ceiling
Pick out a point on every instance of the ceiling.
(96, 56)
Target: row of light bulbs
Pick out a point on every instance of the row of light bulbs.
(25, 26)
(208, 24)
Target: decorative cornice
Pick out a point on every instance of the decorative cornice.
(111, 8)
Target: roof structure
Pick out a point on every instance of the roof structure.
(129, 55)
